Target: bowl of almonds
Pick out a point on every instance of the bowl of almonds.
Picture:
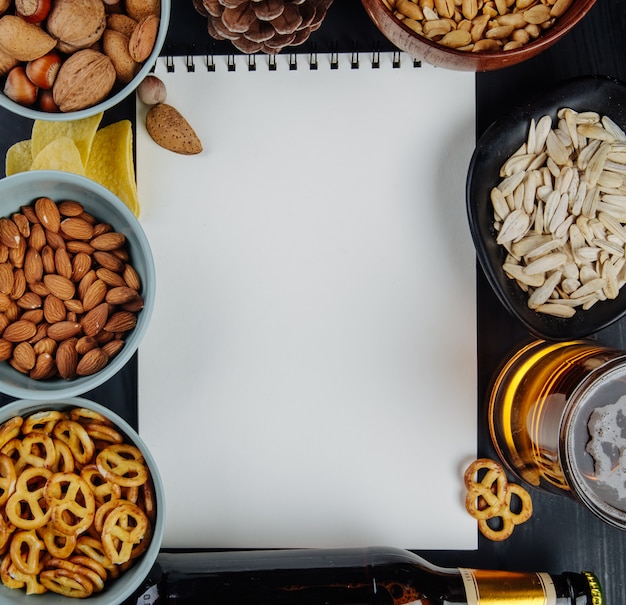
(69, 59)
(77, 284)
(475, 35)
(82, 505)
(546, 202)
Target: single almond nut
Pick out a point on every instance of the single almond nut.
(115, 46)
(21, 222)
(81, 265)
(75, 227)
(131, 277)
(111, 278)
(24, 356)
(6, 278)
(62, 330)
(45, 345)
(19, 284)
(94, 295)
(108, 242)
(34, 315)
(113, 347)
(138, 9)
(168, 128)
(70, 208)
(45, 367)
(109, 261)
(143, 38)
(63, 263)
(29, 300)
(85, 344)
(60, 286)
(24, 41)
(121, 23)
(19, 331)
(94, 320)
(10, 235)
(91, 362)
(6, 349)
(121, 295)
(37, 239)
(33, 266)
(66, 358)
(121, 321)
(48, 214)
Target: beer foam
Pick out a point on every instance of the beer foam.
(607, 446)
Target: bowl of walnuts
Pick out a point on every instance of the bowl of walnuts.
(69, 59)
(475, 35)
(77, 283)
(82, 506)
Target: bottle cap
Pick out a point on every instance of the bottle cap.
(597, 598)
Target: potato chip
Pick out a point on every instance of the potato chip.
(59, 154)
(19, 157)
(111, 162)
(80, 131)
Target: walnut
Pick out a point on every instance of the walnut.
(76, 24)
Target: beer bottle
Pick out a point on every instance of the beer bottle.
(364, 576)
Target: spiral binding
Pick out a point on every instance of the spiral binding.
(294, 60)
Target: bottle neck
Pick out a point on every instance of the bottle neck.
(372, 576)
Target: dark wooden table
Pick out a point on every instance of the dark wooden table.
(561, 535)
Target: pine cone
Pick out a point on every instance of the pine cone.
(262, 25)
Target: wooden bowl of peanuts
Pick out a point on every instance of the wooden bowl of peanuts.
(77, 283)
(82, 506)
(546, 203)
(475, 35)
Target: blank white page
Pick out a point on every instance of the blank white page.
(309, 375)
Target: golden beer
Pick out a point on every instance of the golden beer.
(540, 409)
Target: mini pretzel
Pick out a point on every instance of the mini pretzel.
(102, 489)
(77, 569)
(75, 436)
(124, 527)
(103, 432)
(65, 460)
(10, 429)
(122, 464)
(87, 416)
(35, 449)
(26, 508)
(26, 552)
(70, 492)
(42, 422)
(489, 498)
(66, 583)
(8, 478)
(58, 544)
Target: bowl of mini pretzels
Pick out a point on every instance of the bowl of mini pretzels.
(81, 504)
(475, 35)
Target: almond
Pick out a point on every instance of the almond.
(17, 254)
(85, 344)
(169, 129)
(53, 309)
(94, 295)
(121, 295)
(121, 23)
(10, 235)
(33, 266)
(85, 282)
(143, 38)
(60, 286)
(91, 362)
(24, 41)
(34, 315)
(37, 239)
(21, 222)
(111, 278)
(6, 349)
(47, 258)
(95, 319)
(45, 345)
(48, 214)
(74, 306)
(108, 261)
(45, 367)
(113, 347)
(131, 277)
(85, 79)
(115, 46)
(70, 208)
(81, 265)
(6, 278)
(62, 330)
(138, 9)
(19, 284)
(29, 300)
(24, 356)
(63, 263)
(19, 331)
(121, 321)
(77, 228)
(108, 242)
(66, 358)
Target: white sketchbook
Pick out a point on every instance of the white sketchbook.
(309, 376)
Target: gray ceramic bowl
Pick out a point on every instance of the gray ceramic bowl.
(603, 95)
(118, 590)
(118, 94)
(22, 189)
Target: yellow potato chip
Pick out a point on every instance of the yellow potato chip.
(19, 158)
(111, 162)
(59, 154)
(80, 131)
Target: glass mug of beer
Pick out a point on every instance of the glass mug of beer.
(557, 418)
